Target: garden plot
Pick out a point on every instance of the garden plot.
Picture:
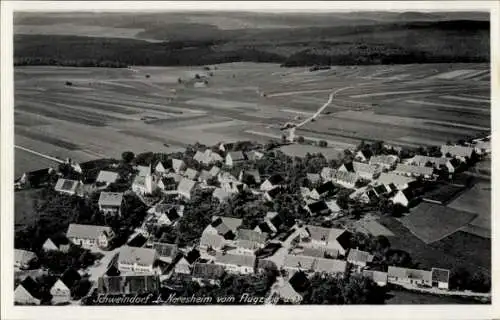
(448, 106)
(223, 104)
(431, 222)
(467, 98)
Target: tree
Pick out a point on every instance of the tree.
(301, 139)
(323, 143)
(179, 80)
(147, 76)
(284, 138)
(128, 156)
(197, 76)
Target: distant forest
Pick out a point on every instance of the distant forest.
(394, 43)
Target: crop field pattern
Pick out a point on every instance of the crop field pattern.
(92, 112)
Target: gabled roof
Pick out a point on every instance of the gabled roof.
(406, 273)
(317, 206)
(254, 173)
(186, 186)
(367, 153)
(107, 176)
(254, 155)
(422, 160)
(440, 275)
(347, 177)
(144, 170)
(24, 256)
(32, 286)
(404, 168)
(110, 198)
(299, 281)
(177, 164)
(168, 181)
(384, 159)
(274, 192)
(235, 259)
(214, 171)
(360, 167)
(326, 187)
(204, 175)
(221, 194)
(86, 231)
(359, 256)
(231, 223)
(296, 261)
(325, 234)
(192, 256)
(313, 177)
(138, 241)
(66, 185)
(127, 285)
(276, 179)
(191, 173)
(166, 163)
(208, 271)
(251, 235)
(236, 155)
(381, 189)
(329, 265)
(327, 173)
(459, 151)
(141, 256)
(199, 156)
(59, 240)
(264, 227)
(113, 271)
(211, 240)
(392, 178)
(70, 277)
(38, 177)
(165, 249)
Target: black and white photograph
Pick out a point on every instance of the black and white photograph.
(249, 157)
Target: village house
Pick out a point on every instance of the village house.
(364, 170)
(363, 155)
(137, 240)
(110, 203)
(191, 174)
(405, 276)
(89, 236)
(221, 194)
(204, 176)
(35, 179)
(178, 165)
(313, 178)
(167, 214)
(143, 185)
(359, 258)
(318, 252)
(327, 173)
(330, 238)
(325, 190)
(482, 147)
(435, 162)
(247, 240)
(143, 171)
(234, 157)
(379, 277)
(107, 177)
(177, 177)
(440, 278)
(27, 292)
(271, 223)
(403, 197)
(460, 152)
(183, 264)
(246, 175)
(285, 291)
(186, 187)
(59, 243)
(318, 208)
(167, 183)
(167, 252)
(254, 155)
(61, 290)
(345, 179)
(414, 171)
(272, 182)
(128, 285)
(217, 233)
(270, 195)
(307, 264)
(207, 273)
(70, 187)
(226, 146)
(384, 161)
(399, 181)
(211, 242)
(23, 258)
(236, 263)
(163, 166)
(138, 260)
(207, 157)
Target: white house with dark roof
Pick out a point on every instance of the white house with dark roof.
(359, 258)
(178, 165)
(384, 161)
(137, 260)
(166, 252)
(221, 194)
(110, 203)
(272, 182)
(364, 170)
(89, 236)
(310, 264)
(403, 197)
(167, 183)
(236, 263)
(346, 179)
(207, 272)
(144, 171)
(143, 185)
(163, 166)
(233, 157)
(28, 292)
(56, 244)
(247, 240)
(61, 289)
(167, 214)
(250, 173)
(191, 174)
(186, 187)
(363, 155)
(388, 178)
(70, 187)
(440, 278)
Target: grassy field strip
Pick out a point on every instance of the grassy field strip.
(395, 121)
(223, 104)
(391, 93)
(449, 106)
(474, 75)
(298, 112)
(434, 141)
(43, 147)
(450, 75)
(42, 133)
(297, 150)
(486, 97)
(292, 93)
(204, 126)
(463, 98)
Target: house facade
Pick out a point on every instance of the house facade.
(90, 236)
(412, 277)
(110, 203)
(137, 260)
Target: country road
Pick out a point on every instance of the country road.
(39, 154)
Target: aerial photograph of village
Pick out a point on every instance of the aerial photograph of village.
(252, 158)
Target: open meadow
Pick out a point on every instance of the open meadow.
(86, 113)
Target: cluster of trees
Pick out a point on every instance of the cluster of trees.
(351, 289)
(45, 61)
(462, 279)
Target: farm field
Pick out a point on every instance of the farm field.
(104, 112)
(408, 297)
